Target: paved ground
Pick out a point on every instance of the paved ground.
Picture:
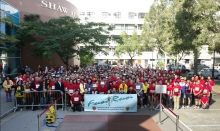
(6, 107)
(27, 120)
(203, 120)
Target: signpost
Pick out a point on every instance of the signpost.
(160, 89)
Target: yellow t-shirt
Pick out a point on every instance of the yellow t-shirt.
(145, 87)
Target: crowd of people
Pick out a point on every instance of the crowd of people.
(75, 82)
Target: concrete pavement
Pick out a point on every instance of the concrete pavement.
(6, 107)
(27, 120)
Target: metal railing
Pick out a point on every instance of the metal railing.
(38, 99)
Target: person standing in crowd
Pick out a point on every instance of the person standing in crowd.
(182, 85)
(94, 89)
(19, 93)
(131, 90)
(43, 94)
(102, 89)
(189, 93)
(89, 85)
(212, 84)
(28, 95)
(7, 84)
(205, 95)
(82, 86)
(34, 94)
(139, 90)
(169, 99)
(123, 87)
(197, 94)
(76, 101)
(151, 95)
(176, 95)
(145, 99)
(59, 86)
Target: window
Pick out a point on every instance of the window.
(141, 15)
(119, 27)
(105, 14)
(91, 14)
(117, 15)
(82, 13)
(140, 27)
(129, 27)
(187, 61)
(131, 15)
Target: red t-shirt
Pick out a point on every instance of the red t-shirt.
(70, 88)
(202, 81)
(211, 82)
(206, 90)
(76, 86)
(197, 89)
(204, 100)
(169, 90)
(176, 90)
(151, 90)
(27, 88)
(52, 86)
(76, 98)
(102, 90)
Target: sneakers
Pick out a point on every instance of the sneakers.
(142, 107)
(187, 106)
(150, 108)
(183, 107)
(145, 106)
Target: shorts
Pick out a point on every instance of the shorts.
(188, 95)
(141, 95)
(198, 96)
(183, 95)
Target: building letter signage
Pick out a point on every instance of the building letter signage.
(55, 7)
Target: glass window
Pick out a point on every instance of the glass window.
(129, 26)
(141, 15)
(117, 15)
(131, 15)
(105, 14)
(91, 14)
(11, 62)
(140, 26)
(82, 13)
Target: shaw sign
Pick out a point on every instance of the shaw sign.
(55, 7)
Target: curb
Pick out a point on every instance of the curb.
(7, 113)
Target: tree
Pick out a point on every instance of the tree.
(195, 23)
(154, 36)
(86, 59)
(129, 45)
(6, 41)
(65, 36)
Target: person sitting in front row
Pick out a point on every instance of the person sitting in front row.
(76, 101)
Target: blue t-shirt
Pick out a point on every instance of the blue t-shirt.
(183, 87)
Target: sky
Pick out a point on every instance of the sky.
(113, 5)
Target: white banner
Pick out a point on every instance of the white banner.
(110, 102)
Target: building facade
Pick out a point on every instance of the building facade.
(9, 62)
(47, 9)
